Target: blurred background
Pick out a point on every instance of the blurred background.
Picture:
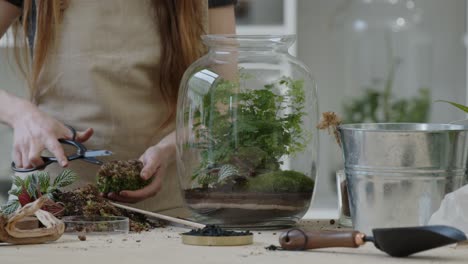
(373, 60)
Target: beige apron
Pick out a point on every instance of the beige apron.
(102, 75)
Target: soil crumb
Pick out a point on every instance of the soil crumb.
(273, 248)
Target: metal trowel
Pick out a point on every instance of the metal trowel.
(397, 242)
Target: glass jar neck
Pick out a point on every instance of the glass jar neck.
(248, 43)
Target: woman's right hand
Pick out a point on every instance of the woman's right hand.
(35, 131)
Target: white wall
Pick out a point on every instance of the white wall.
(318, 48)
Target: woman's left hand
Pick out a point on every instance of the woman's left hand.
(155, 160)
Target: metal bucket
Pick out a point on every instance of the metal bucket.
(398, 174)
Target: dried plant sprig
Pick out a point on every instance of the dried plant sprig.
(331, 121)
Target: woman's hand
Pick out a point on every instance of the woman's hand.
(35, 131)
(155, 160)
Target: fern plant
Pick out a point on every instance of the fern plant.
(34, 186)
(245, 132)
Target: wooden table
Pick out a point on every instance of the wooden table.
(164, 246)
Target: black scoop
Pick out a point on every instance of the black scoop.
(404, 241)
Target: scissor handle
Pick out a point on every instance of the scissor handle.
(47, 161)
(80, 151)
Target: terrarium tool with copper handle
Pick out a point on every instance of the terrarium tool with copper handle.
(397, 242)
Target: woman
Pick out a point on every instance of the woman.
(111, 69)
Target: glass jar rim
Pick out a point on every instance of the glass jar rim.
(253, 41)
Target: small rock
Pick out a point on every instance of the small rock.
(82, 237)
(138, 241)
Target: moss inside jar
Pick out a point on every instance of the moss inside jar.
(242, 137)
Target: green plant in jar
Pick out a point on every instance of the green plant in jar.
(243, 133)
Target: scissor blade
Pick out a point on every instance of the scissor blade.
(97, 153)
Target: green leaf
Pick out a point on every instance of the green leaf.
(227, 171)
(31, 186)
(18, 181)
(65, 178)
(459, 106)
(15, 191)
(34, 179)
(50, 196)
(44, 181)
(10, 207)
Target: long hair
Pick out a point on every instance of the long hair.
(179, 23)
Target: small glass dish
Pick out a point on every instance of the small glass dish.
(97, 225)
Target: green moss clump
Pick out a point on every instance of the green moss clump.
(281, 181)
(119, 175)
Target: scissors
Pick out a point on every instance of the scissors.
(81, 153)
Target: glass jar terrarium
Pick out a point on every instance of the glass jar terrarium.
(246, 136)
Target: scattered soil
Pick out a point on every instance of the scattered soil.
(272, 248)
(86, 201)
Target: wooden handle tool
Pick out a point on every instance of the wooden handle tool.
(297, 239)
(395, 241)
(160, 216)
